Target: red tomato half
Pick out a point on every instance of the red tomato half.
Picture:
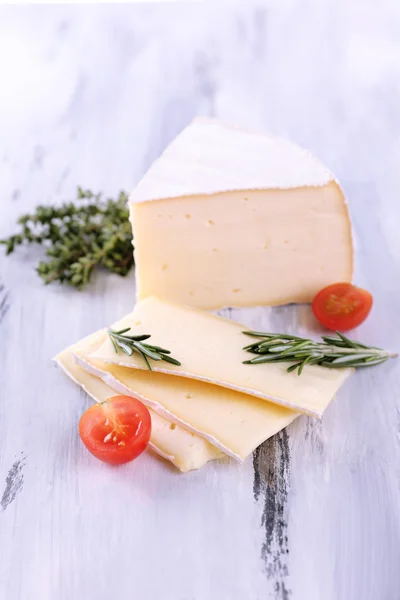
(117, 430)
(342, 306)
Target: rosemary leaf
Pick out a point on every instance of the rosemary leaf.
(292, 367)
(138, 338)
(263, 359)
(114, 344)
(349, 343)
(350, 358)
(158, 349)
(171, 360)
(146, 360)
(135, 338)
(122, 331)
(280, 336)
(279, 348)
(124, 347)
(145, 350)
(268, 344)
(304, 362)
(329, 340)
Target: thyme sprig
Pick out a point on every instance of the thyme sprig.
(78, 237)
(135, 343)
(333, 352)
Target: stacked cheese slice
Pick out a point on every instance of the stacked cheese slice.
(230, 218)
(212, 405)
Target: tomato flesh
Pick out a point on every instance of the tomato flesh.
(116, 431)
(342, 306)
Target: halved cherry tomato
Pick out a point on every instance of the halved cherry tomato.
(117, 430)
(342, 306)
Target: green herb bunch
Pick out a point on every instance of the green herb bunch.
(78, 237)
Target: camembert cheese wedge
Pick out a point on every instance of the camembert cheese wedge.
(184, 449)
(210, 350)
(230, 218)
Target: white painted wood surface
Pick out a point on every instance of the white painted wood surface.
(90, 96)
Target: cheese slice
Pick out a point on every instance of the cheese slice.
(233, 422)
(181, 447)
(210, 349)
(230, 218)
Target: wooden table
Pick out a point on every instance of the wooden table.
(91, 96)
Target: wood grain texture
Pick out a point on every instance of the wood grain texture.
(91, 95)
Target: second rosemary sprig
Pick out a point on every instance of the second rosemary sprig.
(333, 352)
(129, 344)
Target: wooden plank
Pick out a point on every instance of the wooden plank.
(93, 95)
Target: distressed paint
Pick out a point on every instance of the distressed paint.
(4, 301)
(271, 463)
(14, 483)
(316, 513)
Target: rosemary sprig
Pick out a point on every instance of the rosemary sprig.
(135, 343)
(78, 237)
(333, 352)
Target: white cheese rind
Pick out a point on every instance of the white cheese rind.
(185, 450)
(210, 349)
(210, 157)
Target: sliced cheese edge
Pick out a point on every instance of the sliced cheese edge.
(182, 448)
(209, 348)
(233, 422)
